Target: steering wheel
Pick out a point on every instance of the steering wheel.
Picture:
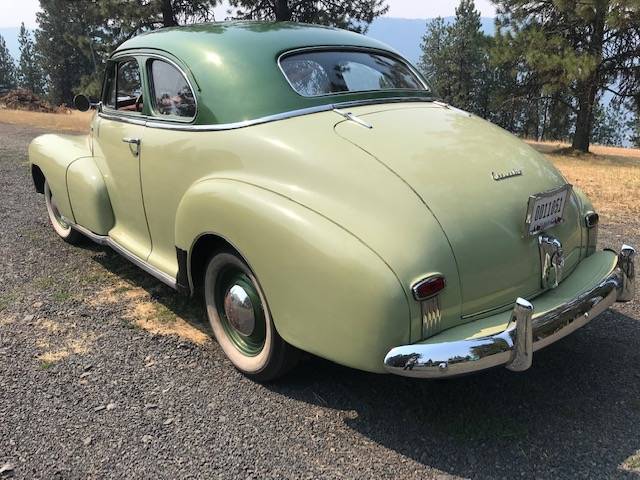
(139, 103)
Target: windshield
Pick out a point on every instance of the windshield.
(315, 73)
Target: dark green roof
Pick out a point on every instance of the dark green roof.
(234, 65)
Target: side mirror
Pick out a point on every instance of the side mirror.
(82, 103)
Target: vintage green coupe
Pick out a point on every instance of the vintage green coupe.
(306, 181)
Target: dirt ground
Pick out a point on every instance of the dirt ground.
(106, 373)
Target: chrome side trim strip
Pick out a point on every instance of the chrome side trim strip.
(525, 333)
(154, 122)
(108, 241)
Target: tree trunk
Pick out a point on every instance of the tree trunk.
(168, 17)
(584, 118)
(588, 91)
(283, 13)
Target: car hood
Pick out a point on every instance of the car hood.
(448, 158)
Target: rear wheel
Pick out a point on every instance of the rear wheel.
(61, 227)
(241, 321)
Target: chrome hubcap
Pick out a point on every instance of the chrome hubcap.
(239, 310)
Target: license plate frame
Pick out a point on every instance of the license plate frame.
(536, 221)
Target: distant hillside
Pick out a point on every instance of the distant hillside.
(405, 34)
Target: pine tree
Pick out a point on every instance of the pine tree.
(579, 47)
(455, 60)
(354, 15)
(434, 61)
(608, 126)
(29, 73)
(60, 24)
(7, 68)
(467, 57)
(75, 38)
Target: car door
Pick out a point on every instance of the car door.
(170, 163)
(118, 152)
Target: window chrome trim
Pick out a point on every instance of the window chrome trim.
(122, 59)
(353, 48)
(140, 118)
(152, 122)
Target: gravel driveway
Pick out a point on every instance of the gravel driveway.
(106, 373)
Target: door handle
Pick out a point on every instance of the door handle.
(133, 141)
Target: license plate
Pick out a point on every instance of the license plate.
(546, 209)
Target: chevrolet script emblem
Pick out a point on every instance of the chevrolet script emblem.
(503, 175)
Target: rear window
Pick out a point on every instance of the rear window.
(316, 73)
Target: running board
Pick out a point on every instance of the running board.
(108, 241)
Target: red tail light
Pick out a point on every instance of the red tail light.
(428, 287)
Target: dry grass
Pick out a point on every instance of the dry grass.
(610, 177)
(632, 463)
(145, 313)
(57, 341)
(75, 121)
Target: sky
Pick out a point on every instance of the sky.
(16, 11)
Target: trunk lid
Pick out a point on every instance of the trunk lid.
(447, 157)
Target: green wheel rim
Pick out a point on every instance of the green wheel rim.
(248, 344)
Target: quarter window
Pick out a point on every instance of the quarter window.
(172, 94)
(315, 73)
(123, 86)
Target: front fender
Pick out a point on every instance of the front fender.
(329, 294)
(53, 154)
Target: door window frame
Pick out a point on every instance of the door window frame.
(147, 116)
(114, 111)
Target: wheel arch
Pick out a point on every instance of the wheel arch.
(205, 245)
(38, 178)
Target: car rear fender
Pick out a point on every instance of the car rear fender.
(329, 293)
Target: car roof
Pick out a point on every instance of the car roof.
(234, 67)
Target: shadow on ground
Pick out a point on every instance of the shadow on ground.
(191, 310)
(560, 418)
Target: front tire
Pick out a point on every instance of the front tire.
(241, 320)
(61, 227)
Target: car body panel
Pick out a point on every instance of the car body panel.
(120, 168)
(448, 156)
(344, 187)
(89, 196)
(329, 294)
(53, 154)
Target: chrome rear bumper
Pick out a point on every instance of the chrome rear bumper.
(525, 333)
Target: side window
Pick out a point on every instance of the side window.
(129, 87)
(172, 95)
(123, 86)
